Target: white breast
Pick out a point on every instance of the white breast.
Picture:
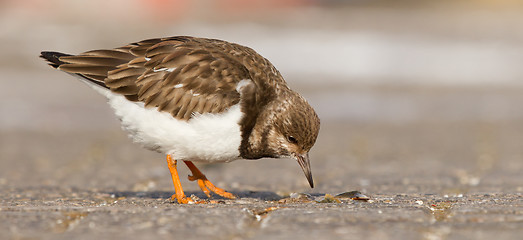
(204, 138)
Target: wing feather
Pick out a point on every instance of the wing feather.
(183, 76)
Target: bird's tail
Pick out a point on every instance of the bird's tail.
(53, 58)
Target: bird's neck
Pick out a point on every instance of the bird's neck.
(255, 138)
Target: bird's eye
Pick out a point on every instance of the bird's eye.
(291, 139)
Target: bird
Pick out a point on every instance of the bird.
(199, 100)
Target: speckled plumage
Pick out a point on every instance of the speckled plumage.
(185, 79)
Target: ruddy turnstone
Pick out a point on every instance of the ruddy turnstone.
(199, 100)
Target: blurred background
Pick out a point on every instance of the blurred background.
(413, 95)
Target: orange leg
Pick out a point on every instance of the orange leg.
(205, 184)
(178, 190)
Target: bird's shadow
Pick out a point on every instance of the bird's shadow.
(260, 195)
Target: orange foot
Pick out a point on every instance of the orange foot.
(205, 184)
(178, 190)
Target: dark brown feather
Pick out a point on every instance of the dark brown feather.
(180, 75)
(53, 58)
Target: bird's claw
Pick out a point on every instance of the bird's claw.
(206, 186)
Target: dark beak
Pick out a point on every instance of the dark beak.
(305, 165)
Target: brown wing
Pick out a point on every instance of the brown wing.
(179, 75)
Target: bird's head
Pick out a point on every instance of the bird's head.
(293, 131)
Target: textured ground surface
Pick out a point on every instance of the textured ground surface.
(426, 178)
(420, 107)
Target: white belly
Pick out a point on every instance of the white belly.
(204, 138)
